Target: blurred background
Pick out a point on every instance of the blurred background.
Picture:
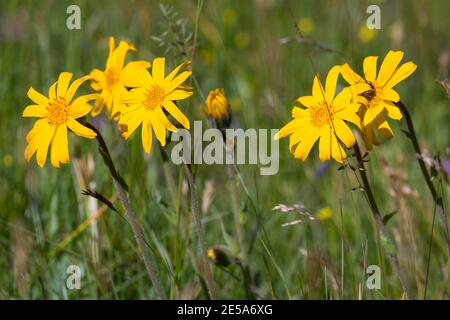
(251, 49)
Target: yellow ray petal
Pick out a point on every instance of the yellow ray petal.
(392, 110)
(325, 144)
(401, 73)
(45, 137)
(344, 133)
(158, 69)
(79, 109)
(147, 136)
(337, 152)
(390, 63)
(390, 94)
(370, 68)
(160, 130)
(330, 84)
(37, 97)
(159, 114)
(175, 83)
(59, 147)
(131, 121)
(38, 126)
(372, 113)
(135, 74)
(299, 112)
(349, 75)
(176, 113)
(52, 91)
(80, 130)
(116, 58)
(317, 90)
(308, 101)
(179, 95)
(304, 147)
(291, 126)
(174, 72)
(35, 110)
(348, 115)
(63, 83)
(74, 87)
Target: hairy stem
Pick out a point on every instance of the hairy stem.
(379, 221)
(437, 199)
(201, 234)
(121, 187)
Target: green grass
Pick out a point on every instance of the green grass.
(238, 49)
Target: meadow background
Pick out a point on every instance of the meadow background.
(249, 49)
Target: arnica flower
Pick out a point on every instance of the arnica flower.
(113, 80)
(380, 97)
(153, 94)
(325, 119)
(57, 112)
(217, 106)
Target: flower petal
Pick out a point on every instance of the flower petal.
(37, 97)
(35, 110)
(160, 130)
(390, 63)
(349, 75)
(179, 95)
(307, 101)
(63, 83)
(176, 113)
(45, 137)
(290, 127)
(147, 135)
(370, 68)
(390, 94)
(317, 90)
(177, 81)
(135, 74)
(158, 69)
(60, 147)
(344, 133)
(80, 130)
(392, 110)
(79, 110)
(330, 84)
(52, 91)
(304, 147)
(74, 87)
(401, 73)
(174, 72)
(325, 143)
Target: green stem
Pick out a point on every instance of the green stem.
(201, 234)
(437, 199)
(121, 187)
(379, 221)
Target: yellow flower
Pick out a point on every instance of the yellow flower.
(365, 34)
(324, 119)
(153, 94)
(380, 97)
(324, 214)
(57, 112)
(217, 106)
(306, 26)
(113, 80)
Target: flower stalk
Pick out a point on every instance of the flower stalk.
(122, 189)
(426, 175)
(381, 226)
(201, 234)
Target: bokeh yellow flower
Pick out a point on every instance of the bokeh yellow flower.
(366, 35)
(324, 119)
(306, 26)
(379, 98)
(58, 113)
(152, 95)
(113, 80)
(324, 213)
(217, 106)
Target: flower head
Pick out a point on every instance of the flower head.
(113, 80)
(217, 106)
(379, 97)
(324, 119)
(57, 113)
(153, 95)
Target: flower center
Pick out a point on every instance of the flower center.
(112, 77)
(320, 115)
(58, 111)
(373, 96)
(155, 97)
